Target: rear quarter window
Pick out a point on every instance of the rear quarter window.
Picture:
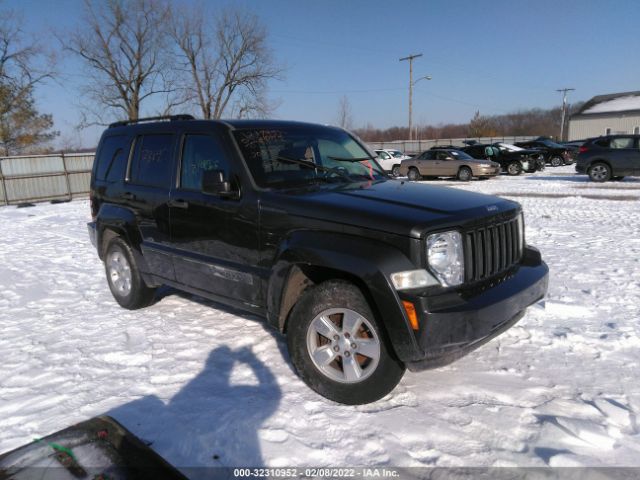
(622, 142)
(152, 161)
(111, 159)
(603, 142)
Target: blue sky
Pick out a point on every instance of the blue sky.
(494, 56)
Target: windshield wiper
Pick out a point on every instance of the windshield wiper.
(349, 159)
(315, 166)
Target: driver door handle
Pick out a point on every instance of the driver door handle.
(179, 204)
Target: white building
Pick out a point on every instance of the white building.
(606, 114)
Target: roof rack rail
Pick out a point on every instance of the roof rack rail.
(170, 118)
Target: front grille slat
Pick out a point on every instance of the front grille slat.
(468, 257)
(491, 250)
(488, 260)
(478, 255)
(496, 250)
(508, 243)
(503, 250)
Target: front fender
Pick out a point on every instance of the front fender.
(371, 261)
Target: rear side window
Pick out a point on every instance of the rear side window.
(200, 153)
(603, 142)
(112, 158)
(624, 142)
(151, 164)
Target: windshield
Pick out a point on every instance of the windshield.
(458, 155)
(551, 143)
(508, 147)
(292, 156)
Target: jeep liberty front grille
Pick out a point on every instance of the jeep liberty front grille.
(491, 250)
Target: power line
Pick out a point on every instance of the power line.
(333, 92)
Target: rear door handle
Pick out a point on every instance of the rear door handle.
(128, 196)
(178, 203)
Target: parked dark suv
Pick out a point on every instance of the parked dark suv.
(609, 158)
(297, 223)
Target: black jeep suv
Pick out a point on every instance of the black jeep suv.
(296, 222)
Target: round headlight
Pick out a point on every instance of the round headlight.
(446, 258)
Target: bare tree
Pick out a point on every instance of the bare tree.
(23, 66)
(123, 45)
(228, 66)
(481, 126)
(345, 119)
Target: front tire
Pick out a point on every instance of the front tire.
(338, 347)
(125, 282)
(599, 172)
(514, 168)
(395, 171)
(465, 174)
(414, 174)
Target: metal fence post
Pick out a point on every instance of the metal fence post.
(4, 186)
(66, 174)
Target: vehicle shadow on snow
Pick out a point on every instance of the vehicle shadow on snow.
(560, 178)
(213, 421)
(166, 291)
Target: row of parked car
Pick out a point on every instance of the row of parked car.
(477, 160)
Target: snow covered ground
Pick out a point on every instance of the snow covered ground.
(213, 387)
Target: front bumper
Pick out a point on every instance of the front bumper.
(454, 324)
(488, 171)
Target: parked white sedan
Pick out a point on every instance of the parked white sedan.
(390, 160)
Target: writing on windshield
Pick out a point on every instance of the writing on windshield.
(298, 155)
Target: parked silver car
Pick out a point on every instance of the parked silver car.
(448, 163)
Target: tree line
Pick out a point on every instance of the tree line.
(534, 121)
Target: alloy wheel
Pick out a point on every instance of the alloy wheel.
(119, 272)
(343, 345)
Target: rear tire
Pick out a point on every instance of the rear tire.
(465, 174)
(599, 172)
(339, 348)
(556, 161)
(414, 174)
(125, 282)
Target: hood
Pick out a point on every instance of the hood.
(393, 206)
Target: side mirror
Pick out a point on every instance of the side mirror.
(215, 183)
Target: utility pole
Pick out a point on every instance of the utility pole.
(564, 109)
(410, 58)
